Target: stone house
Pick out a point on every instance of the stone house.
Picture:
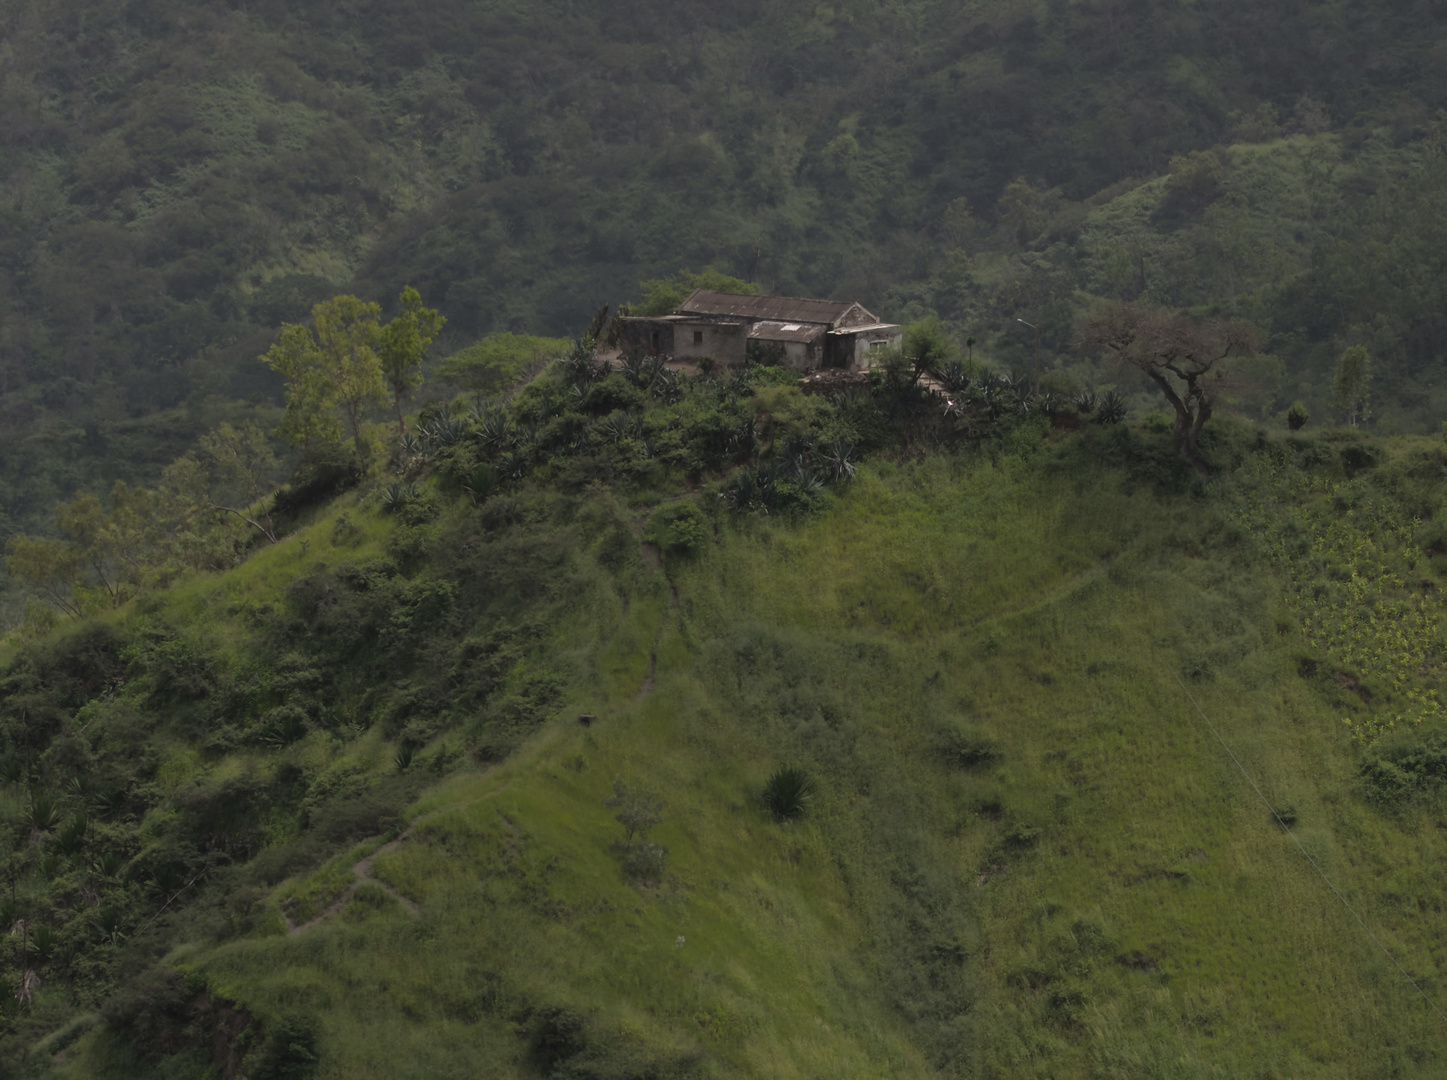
(807, 335)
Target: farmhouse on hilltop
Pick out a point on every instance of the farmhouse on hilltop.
(803, 334)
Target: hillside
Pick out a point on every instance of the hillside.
(471, 779)
(178, 180)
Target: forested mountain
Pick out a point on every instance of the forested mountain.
(180, 178)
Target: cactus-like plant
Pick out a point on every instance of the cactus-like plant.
(788, 792)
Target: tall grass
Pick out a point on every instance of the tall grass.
(1096, 893)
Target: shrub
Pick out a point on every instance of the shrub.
(1297, 416)
(680, 529)
(1111, 409)
(787, 793)
(966, 750)
(643, 861)
(638, 811)
(288, 1051)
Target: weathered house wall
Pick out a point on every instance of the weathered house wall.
(726, 342)
(856, 350)
(805, 334)
(651, 337)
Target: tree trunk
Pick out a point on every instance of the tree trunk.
(1188, 424)
(1190, 439)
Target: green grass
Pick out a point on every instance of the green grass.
(1103, 897)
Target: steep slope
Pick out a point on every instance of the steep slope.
(1025, 855)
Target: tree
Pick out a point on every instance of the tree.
(404, 342)
(1181, 355)
(332, 370)
(926, 346)
(1349, 387)
(1027, 209)
(663, 295)
(246, 468)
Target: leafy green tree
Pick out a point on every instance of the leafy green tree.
(1349, 389)
(50, 567)
(403, 344)
(246, 469)
(333, 372)
(927, 346)
(1027, 209)
(1194, 183)
(662, 295)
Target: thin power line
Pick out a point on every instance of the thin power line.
(1321, 873)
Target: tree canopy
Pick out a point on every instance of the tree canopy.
(1181, 355)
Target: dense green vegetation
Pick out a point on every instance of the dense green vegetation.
(638, 725)
(534, 717)
(179, 179)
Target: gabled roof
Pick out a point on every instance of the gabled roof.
(789, 309)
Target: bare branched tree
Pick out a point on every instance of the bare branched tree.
(1181, 355)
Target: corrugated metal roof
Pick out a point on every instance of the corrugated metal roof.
(870, 327)
(780, 331)
(775, 308)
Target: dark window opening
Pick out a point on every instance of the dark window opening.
(655, 343)
(698, 337)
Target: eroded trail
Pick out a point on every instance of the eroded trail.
(362, 873)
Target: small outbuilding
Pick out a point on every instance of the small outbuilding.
(807, 335)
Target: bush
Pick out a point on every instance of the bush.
(680, 529)
(966, 750)
(643, 861)
(787, 793)
(1297, 416)
(288, 1051)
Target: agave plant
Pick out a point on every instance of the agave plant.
(744, 441)
(44, 814)
(621, 426)
(808, 482)
(641, 370)
(955, 377)
(480, 483)
(42, 942)
(581, 364)
(108, 923)
(110, 802)
(787, 793)
(395, 497)
(741, 493)
(402, 760)
(1085, 402)
(492, 428)
(838, 459)
(1112, 409)
(444, 431)
(667, 387)
(108, 865)
(69, 839)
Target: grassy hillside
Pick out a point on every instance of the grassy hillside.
(361, 830)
